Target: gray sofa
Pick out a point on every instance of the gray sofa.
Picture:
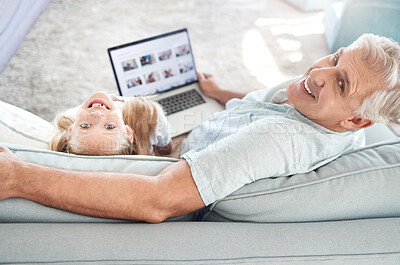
(346, 212)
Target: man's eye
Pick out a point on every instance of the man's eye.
(341, 85)
(110, 127)
(335, 60)
(85, 126)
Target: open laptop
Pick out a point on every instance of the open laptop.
(162, 68)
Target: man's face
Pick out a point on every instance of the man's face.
(333, 88)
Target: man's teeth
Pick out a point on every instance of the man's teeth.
(308, 89)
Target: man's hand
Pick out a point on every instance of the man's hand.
(211, 89)
(9, 165)
(208, 85)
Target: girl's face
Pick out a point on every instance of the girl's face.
(99, 127)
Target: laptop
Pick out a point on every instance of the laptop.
(162, 69)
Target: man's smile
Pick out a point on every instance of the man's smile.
(307, 88)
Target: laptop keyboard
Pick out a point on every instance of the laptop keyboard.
(182, 101)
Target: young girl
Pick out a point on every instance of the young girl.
(105, 125)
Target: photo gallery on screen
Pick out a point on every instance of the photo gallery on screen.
(160, 73)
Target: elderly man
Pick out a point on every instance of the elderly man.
(314, 121)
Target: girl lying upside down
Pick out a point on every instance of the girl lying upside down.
(110, 125)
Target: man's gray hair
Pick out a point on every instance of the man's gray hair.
(383, 56)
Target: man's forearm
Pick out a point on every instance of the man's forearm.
(91, 193)
(111, 195)
(225, 95)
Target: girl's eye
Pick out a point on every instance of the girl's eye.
(85, 126)
(110, 127)
(341, 85)
(335, 60)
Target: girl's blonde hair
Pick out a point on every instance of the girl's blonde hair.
(137, 112)
(142, 116)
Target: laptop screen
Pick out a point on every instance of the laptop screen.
(153, 65)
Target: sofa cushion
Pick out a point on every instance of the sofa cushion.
(356, 242)
(380, 17)
(19, 126)
(360, 184)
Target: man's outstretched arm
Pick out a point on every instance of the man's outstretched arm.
(110, 195)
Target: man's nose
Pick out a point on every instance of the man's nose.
(319, 76)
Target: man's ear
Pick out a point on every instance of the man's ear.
(356, 123)
(129, 131)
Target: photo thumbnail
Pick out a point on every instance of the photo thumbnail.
(137, 81)
(147, 59)
(152, 77)
(165, 55)
(182, 50)
(129, 65)
(169, 72)
(185, 67)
